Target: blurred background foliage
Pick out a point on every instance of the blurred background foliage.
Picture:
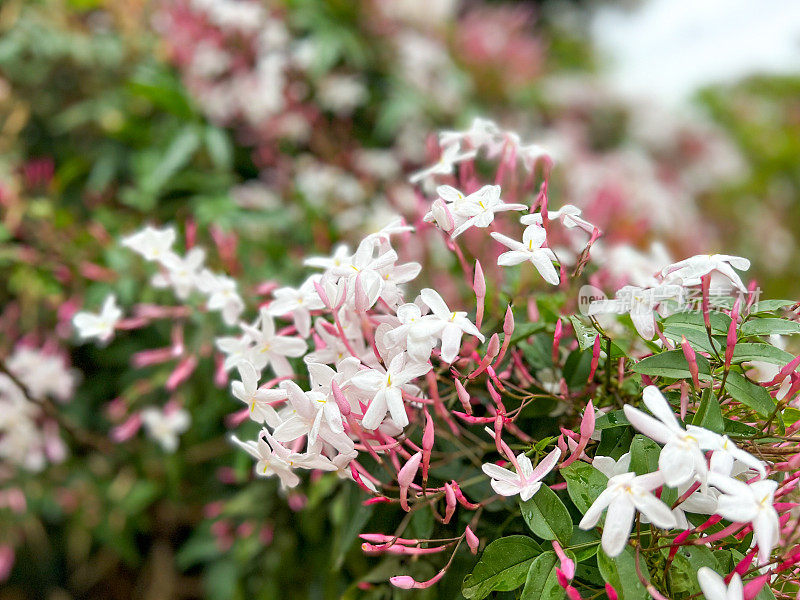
(104, 127)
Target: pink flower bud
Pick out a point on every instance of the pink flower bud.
(341, 401)
(450, 503)
(691, 358)
(705, 281)
(556, 340)
(463, 396)
(181, 373)
(472, 540)
(7, 557)
(406, 476)
(127, 430)
(595, 357)
(731, 341)
(427, 445)
(753, 587)
(404, 582)
(611, 592)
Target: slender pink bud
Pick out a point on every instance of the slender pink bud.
(533, 311)
(127, 430)
(491, 351)
(7, 557)
(472, 540)
(557, 340)
(181, 373)
(406, 476)
(753, 587)
(462, 499)
(450, 503)
(508, 330)
(427, 445)
(611, 592)
(705, 285)
(463, 396)
(691, 358)
(573, 593)
(404, 582)
(684, 399)
(322, 294)
(587, 429)
(567, 564)
(785, 371)
(479, 286)
(731, 341)
(595, 357)
(341, 401)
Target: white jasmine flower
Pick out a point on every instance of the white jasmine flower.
(525, 483)
(182, 273)
(640, 303)
(272, 458)
(682, 456)
(529, 250)
(151, 243)
(100, 326)
(164, 426)
(273, 349)
(455, 324)
(299, 302)
(750, 503)
(450, 156)
(690, 271)
(388, 388)
(480, 207)
(623, 496)
(222, 295)
(258, 401)
(569, 215)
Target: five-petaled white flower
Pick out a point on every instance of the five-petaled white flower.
(416, 332)
(388, 388)
(529, 249)
(164, 426)
(100, 326)
(623, 496)
(569, 215)
(222, 295)
(640, 303)
(151, 243)
(299, 302)
(479, 208)
(527, 481)
(455, 324)
(258, 401)
(682, 456)
(181, 273)
(444, 166)
(272, 458)
(273, 349)
(691, 270)
(750, 503)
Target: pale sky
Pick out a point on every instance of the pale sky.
(668, 48)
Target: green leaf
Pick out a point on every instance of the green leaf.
(750, 394)
(709, 415)
(547, 516)
(584, 484)
(503, 567)
(770, 305)
(769, 327)
(614, 418)
(672, 364)
(620, 572)
(576, 369)
(719, 321)
(178, 154)
(745, 352)
(542, 580)
(644, 455)
(219, 147)
(683, 572)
